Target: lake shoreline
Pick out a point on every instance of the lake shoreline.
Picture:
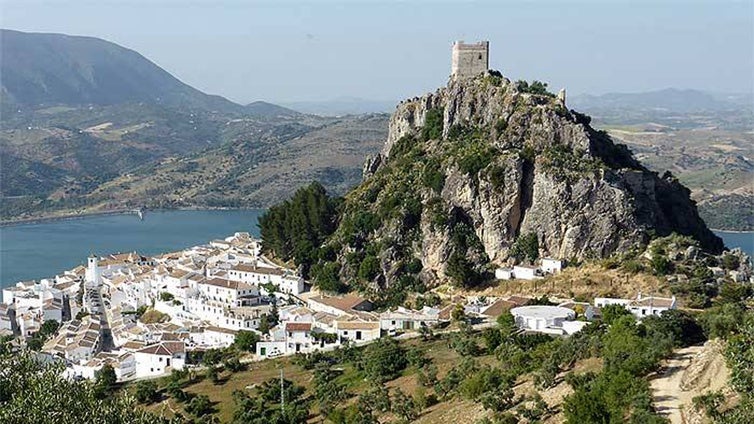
(114, 212)
(66, 243)
(717, 230)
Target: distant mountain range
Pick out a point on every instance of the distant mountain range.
(343, 106)
(668, 100)
(86, 120)
(62, 69)
(57, 69)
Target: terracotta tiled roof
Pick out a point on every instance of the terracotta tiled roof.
(220, 282)
(298, 326)
(519, 300)
(656, 302)
(221, 330)
(257, 269)
(164, 349)
(498, 308)
(357, 325)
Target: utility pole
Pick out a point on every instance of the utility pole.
(282, 393)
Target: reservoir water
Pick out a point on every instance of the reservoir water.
(34, 251)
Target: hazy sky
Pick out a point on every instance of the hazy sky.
(290, 51)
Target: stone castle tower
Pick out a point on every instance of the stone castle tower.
(470, 60)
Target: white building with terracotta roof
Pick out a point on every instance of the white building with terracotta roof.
(123, 363)
(642, 306)
(78, 341)
(339, 305)
(213, 337)
(232, 293)
(402, 318)
(357, 330)
(160, 358)
(284, 280)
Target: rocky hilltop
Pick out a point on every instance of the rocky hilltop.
(470, 171)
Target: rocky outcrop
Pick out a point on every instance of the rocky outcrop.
(504, 160)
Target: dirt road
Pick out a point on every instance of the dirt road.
(666, 388)
(690, 372)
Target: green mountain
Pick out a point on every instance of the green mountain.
(49, 69)
(89, 124)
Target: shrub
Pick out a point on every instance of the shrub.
(525, 247)
(146, 392)
(369, 268)
(661, 265)
(433, 124)
(432, 176)
(384, 359)
(166, 297)
(246, 340)
(536, 87)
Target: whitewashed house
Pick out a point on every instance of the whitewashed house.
(357, 330)
(546, 319)
(339, 305)
(160, 358)
(231, 293)
(297, 337)
(504, 274)
(284, 281)
(523, 272)
(642, 306)
(407, 319)
(551, 266)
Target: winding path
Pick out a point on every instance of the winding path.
(667, 395)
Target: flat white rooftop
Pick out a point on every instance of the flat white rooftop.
(543, 311)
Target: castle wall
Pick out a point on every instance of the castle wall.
(469, 60)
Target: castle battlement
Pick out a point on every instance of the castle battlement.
(470, 59)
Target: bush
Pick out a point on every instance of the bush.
(369, 268)
(633, 266)
(525, 247)
(146, 392)
(536, 87)
(199, 406)
(433, 124)
(433, 177)
(327, 277)
(384, 359)
(661, 265)
(610, 313)
(166, 297)
(246, 340)
(730, 262)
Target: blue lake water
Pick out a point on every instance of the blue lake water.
(34, 251)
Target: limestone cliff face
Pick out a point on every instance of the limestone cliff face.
(530, 166)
